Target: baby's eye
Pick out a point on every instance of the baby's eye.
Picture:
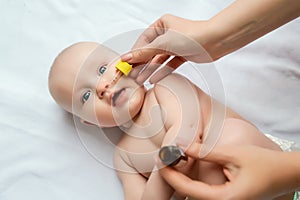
(86, 96)
(102, 69)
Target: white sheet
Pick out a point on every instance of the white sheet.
(44, 157)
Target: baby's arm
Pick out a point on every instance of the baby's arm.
(132, 181)
(135, 185)
(157, 188)
(173, 98)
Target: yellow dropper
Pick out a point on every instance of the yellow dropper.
(122, 68)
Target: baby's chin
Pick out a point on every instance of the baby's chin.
(124, 113)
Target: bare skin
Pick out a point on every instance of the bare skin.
(152, 119)
(204, 41)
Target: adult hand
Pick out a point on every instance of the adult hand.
(234, 27)
(252, 173)
(167, 37)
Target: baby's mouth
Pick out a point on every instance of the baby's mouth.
(116, 95)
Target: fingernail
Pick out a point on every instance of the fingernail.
(126, 57)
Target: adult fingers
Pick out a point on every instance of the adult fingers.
(166, 70)
(176, 62)
(192, 188)
(150, 43)
(144, 54)
(134, 73)
(219, 154)
(155, 63)
(160, 74)
(151, 33)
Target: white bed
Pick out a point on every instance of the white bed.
(42, 154)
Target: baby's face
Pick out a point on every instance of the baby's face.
(81, 82)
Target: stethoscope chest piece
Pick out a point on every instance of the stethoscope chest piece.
(171, 155)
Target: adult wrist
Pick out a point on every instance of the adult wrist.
(208, 36)
(218, 39)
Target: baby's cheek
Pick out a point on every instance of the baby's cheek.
(90, 113)
(136, 100)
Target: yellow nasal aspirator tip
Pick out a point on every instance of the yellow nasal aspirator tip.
(124, 67)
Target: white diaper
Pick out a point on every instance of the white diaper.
(297, 196)
(285, 145)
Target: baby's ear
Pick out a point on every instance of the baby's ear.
(86, 122)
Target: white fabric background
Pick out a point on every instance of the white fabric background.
(42, 156)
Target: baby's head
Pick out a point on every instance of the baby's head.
(80, 81)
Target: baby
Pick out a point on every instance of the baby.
(83, 81)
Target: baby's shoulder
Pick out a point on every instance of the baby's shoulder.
(168, 88)
(176, 85)
(174, 91)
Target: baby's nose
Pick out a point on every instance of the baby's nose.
(102, 87)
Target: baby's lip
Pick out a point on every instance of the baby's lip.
(114, 96)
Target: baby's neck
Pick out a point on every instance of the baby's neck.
(148, 123)
(128, 125)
